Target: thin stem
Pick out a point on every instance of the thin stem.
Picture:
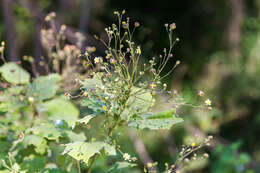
(92, 163)
(78, 165)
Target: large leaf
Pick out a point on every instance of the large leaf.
(62, 109)
(37, 141)
(83, 151)
(161, 120)
(44, 87)
(119, 166)
(138, 103)
(140, 99)
(14, 74)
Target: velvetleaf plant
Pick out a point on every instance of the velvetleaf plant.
(122, 91)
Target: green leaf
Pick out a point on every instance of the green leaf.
(138, 103)
(11, 101)
(76, 136)
(44, 87)
(33, 163)
(83, 151)
(94, 104)
(86, 119)
(46, 130)
(109, 149)
(161, 120)
(37, 141)
(90, 83)
(62, 109)
(162, 115)
(118, 166)
(140, 99)
(14, 74)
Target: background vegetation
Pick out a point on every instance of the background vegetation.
(219, 53)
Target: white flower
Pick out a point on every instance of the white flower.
(126, 156)
(98, 60)
(208, 102)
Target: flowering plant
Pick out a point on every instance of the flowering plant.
(123, 92)
(42, 131)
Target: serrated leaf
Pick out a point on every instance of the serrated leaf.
(83, 151)
(62, 109)
(161, 120)
(14, 74)
(43, 87)
(118, 166)
(38, 142)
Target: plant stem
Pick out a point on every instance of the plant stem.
(78, 165)
(92, 163)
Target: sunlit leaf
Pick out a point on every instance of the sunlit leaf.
(86, 119)
(46, 130)
(14, 74)
(161, 120)
(62, 109)
(44, 87)
(83, 151)
(139, 102)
